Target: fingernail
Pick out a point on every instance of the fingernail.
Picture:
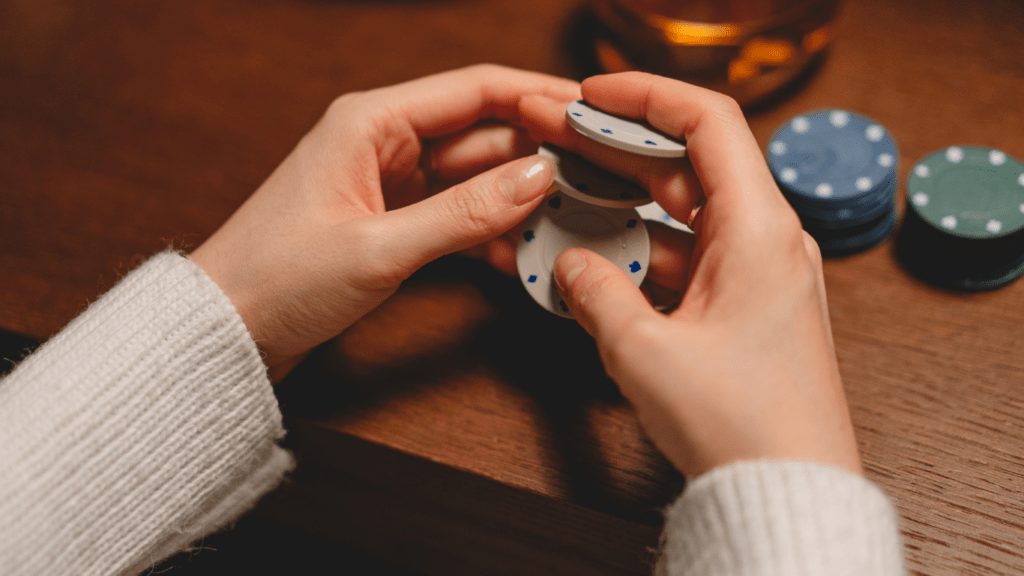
(574, 263)
(527, 180)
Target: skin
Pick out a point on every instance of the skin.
(745, 367)
(393, 178)
(352, 211)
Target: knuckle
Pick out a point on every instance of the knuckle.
(470, 209)
(346, 113)
(813, 251)
(725, 106)
(343, 106)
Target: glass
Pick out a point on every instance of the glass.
(745, 48)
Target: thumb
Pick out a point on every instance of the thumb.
(600, 295)
(466, 214)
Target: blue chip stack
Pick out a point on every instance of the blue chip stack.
(838, 171)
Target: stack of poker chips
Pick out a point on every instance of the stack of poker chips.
(589, 207)
(964, 225)
(838, 171)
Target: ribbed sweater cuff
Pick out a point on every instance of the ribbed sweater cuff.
(146, 423)
(780, 518)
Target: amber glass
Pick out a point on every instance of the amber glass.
(745, 48)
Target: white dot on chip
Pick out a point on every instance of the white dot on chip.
(874, 133)
(993, 226)
(1022, 208)
(996, 158)
(1020, 179)
(920, 199)
(949, 222)
(801, 124)
(922, 171)
(863, 183)
(954, 154)
(778, 147)
(839, 118)
(885, 160)
(824, 190)
(788, 175)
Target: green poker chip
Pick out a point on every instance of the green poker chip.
(970, 192)
(964, 225)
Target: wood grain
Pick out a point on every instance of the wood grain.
(460, 406)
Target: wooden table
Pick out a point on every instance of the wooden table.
(459, 428)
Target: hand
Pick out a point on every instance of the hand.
(745, 367)
(349, 213)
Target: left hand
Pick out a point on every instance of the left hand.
(350, 213)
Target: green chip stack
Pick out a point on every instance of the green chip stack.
(964, 226)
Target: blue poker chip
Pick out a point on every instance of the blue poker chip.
(830, 158)
(838, 170)
(850, 215)
(856, 239)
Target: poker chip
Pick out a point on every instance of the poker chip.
(563, 222)
(588, 183)
(855, 239)
(964, 227)
(838, 171)
(655, 212)
(622, 133)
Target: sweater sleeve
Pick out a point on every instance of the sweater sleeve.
(145, 424)
(780, 517)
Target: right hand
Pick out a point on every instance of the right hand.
(745, 367)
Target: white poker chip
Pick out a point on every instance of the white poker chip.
(622, 133)
(588, 183)
(562, 222)
(654, 211)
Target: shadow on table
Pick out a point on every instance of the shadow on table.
(459, 317)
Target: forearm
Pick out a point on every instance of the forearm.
(780, 517)
(143, 425)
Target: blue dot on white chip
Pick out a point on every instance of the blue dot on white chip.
(528, 235)
(617, 234)
(629, 134)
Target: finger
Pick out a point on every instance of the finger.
(465, 154)
(600, 296)
(463, 216)
(671, 255)
(724, 153)
(451, 101)
(671, 181)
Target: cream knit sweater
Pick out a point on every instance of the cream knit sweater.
(149, 422)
